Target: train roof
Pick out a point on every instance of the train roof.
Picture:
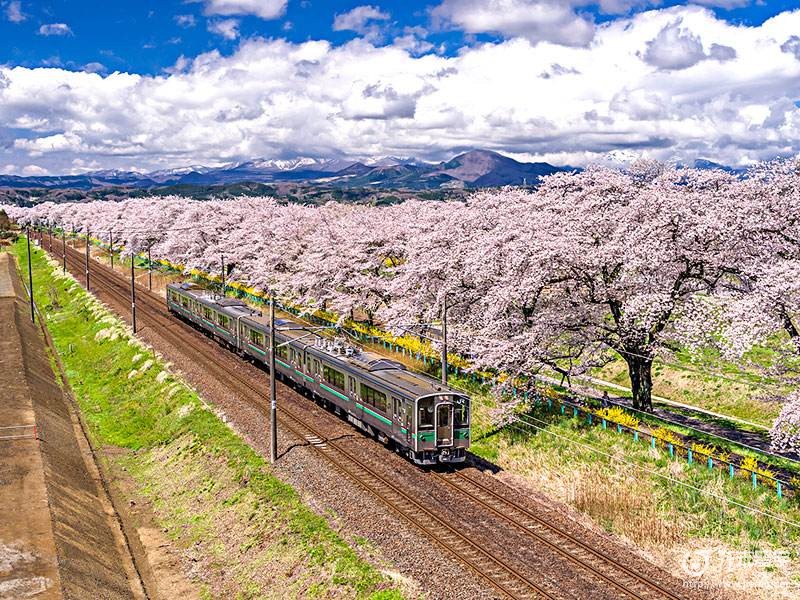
(369, 364)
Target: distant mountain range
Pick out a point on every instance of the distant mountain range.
(474, 169)
(478, 168)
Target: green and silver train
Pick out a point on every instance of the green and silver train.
(411, 412)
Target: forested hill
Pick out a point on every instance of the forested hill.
(282, 192)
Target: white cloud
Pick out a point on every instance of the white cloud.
(185, 20)
(360, 19)
(413, 40)
(55, 29)
(537, 20)
(568, 105)
(265, 9)
(95, 67)
(227, 28)
(14, 12)
(792, 46)
(674, 47)
(34, 171)
(723, 3)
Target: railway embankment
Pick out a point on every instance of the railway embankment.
(59, 537)
(202, 508)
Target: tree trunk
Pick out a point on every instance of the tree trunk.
(790, 328)
(640, 371)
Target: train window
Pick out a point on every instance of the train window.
(425, 419)
(315, 370)
(184, 302)
(280, 351)
(208, 313)
(223, 320)
(334, 377)
(352, 382)
(398, 408)
(373, 397)
(256, 337)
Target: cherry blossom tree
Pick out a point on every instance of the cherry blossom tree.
(590, 265)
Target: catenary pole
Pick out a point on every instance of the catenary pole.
(87, 259)
(64, 250)
(444, 341)
(30, 275)
(111, 243)
(273, 406)
(149, 270)
(133, 294)
(223, 274)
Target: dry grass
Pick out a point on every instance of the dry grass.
(646, 514)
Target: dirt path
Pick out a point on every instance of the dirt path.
(59, 537)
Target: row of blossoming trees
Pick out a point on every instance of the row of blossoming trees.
(591, 265)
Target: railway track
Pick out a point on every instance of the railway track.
(619, 576)
(507, 579)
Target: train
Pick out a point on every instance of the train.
(413, 413)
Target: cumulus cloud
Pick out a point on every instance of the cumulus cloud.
(721, 52)
(361, 19)
(413, 40)
(185, 20)
(674, 48)
(265, 9)
(537, 20)
(95, 67)
(723, 3)
(13, 12)
(34, 171)
(227, 28)
(792, 46)
(541, 101)
(55, 29)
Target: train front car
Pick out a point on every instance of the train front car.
(442, 428)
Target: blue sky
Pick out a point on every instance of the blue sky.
(147, 36)
(153, 84)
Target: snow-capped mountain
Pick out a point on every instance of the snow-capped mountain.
(473, 169)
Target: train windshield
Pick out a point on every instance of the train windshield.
(425, 413)
(425, 410)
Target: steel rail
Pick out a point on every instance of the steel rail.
(505, 578)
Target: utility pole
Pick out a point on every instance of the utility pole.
(273, 406)
(444, 341)
(64, 250)
(223, 274)
(87, 259)
(111, 242)
(133, 294)
(149, 269)
(50, 239)
(30, 274)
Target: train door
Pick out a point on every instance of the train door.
(398, 417)
(444, 425)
